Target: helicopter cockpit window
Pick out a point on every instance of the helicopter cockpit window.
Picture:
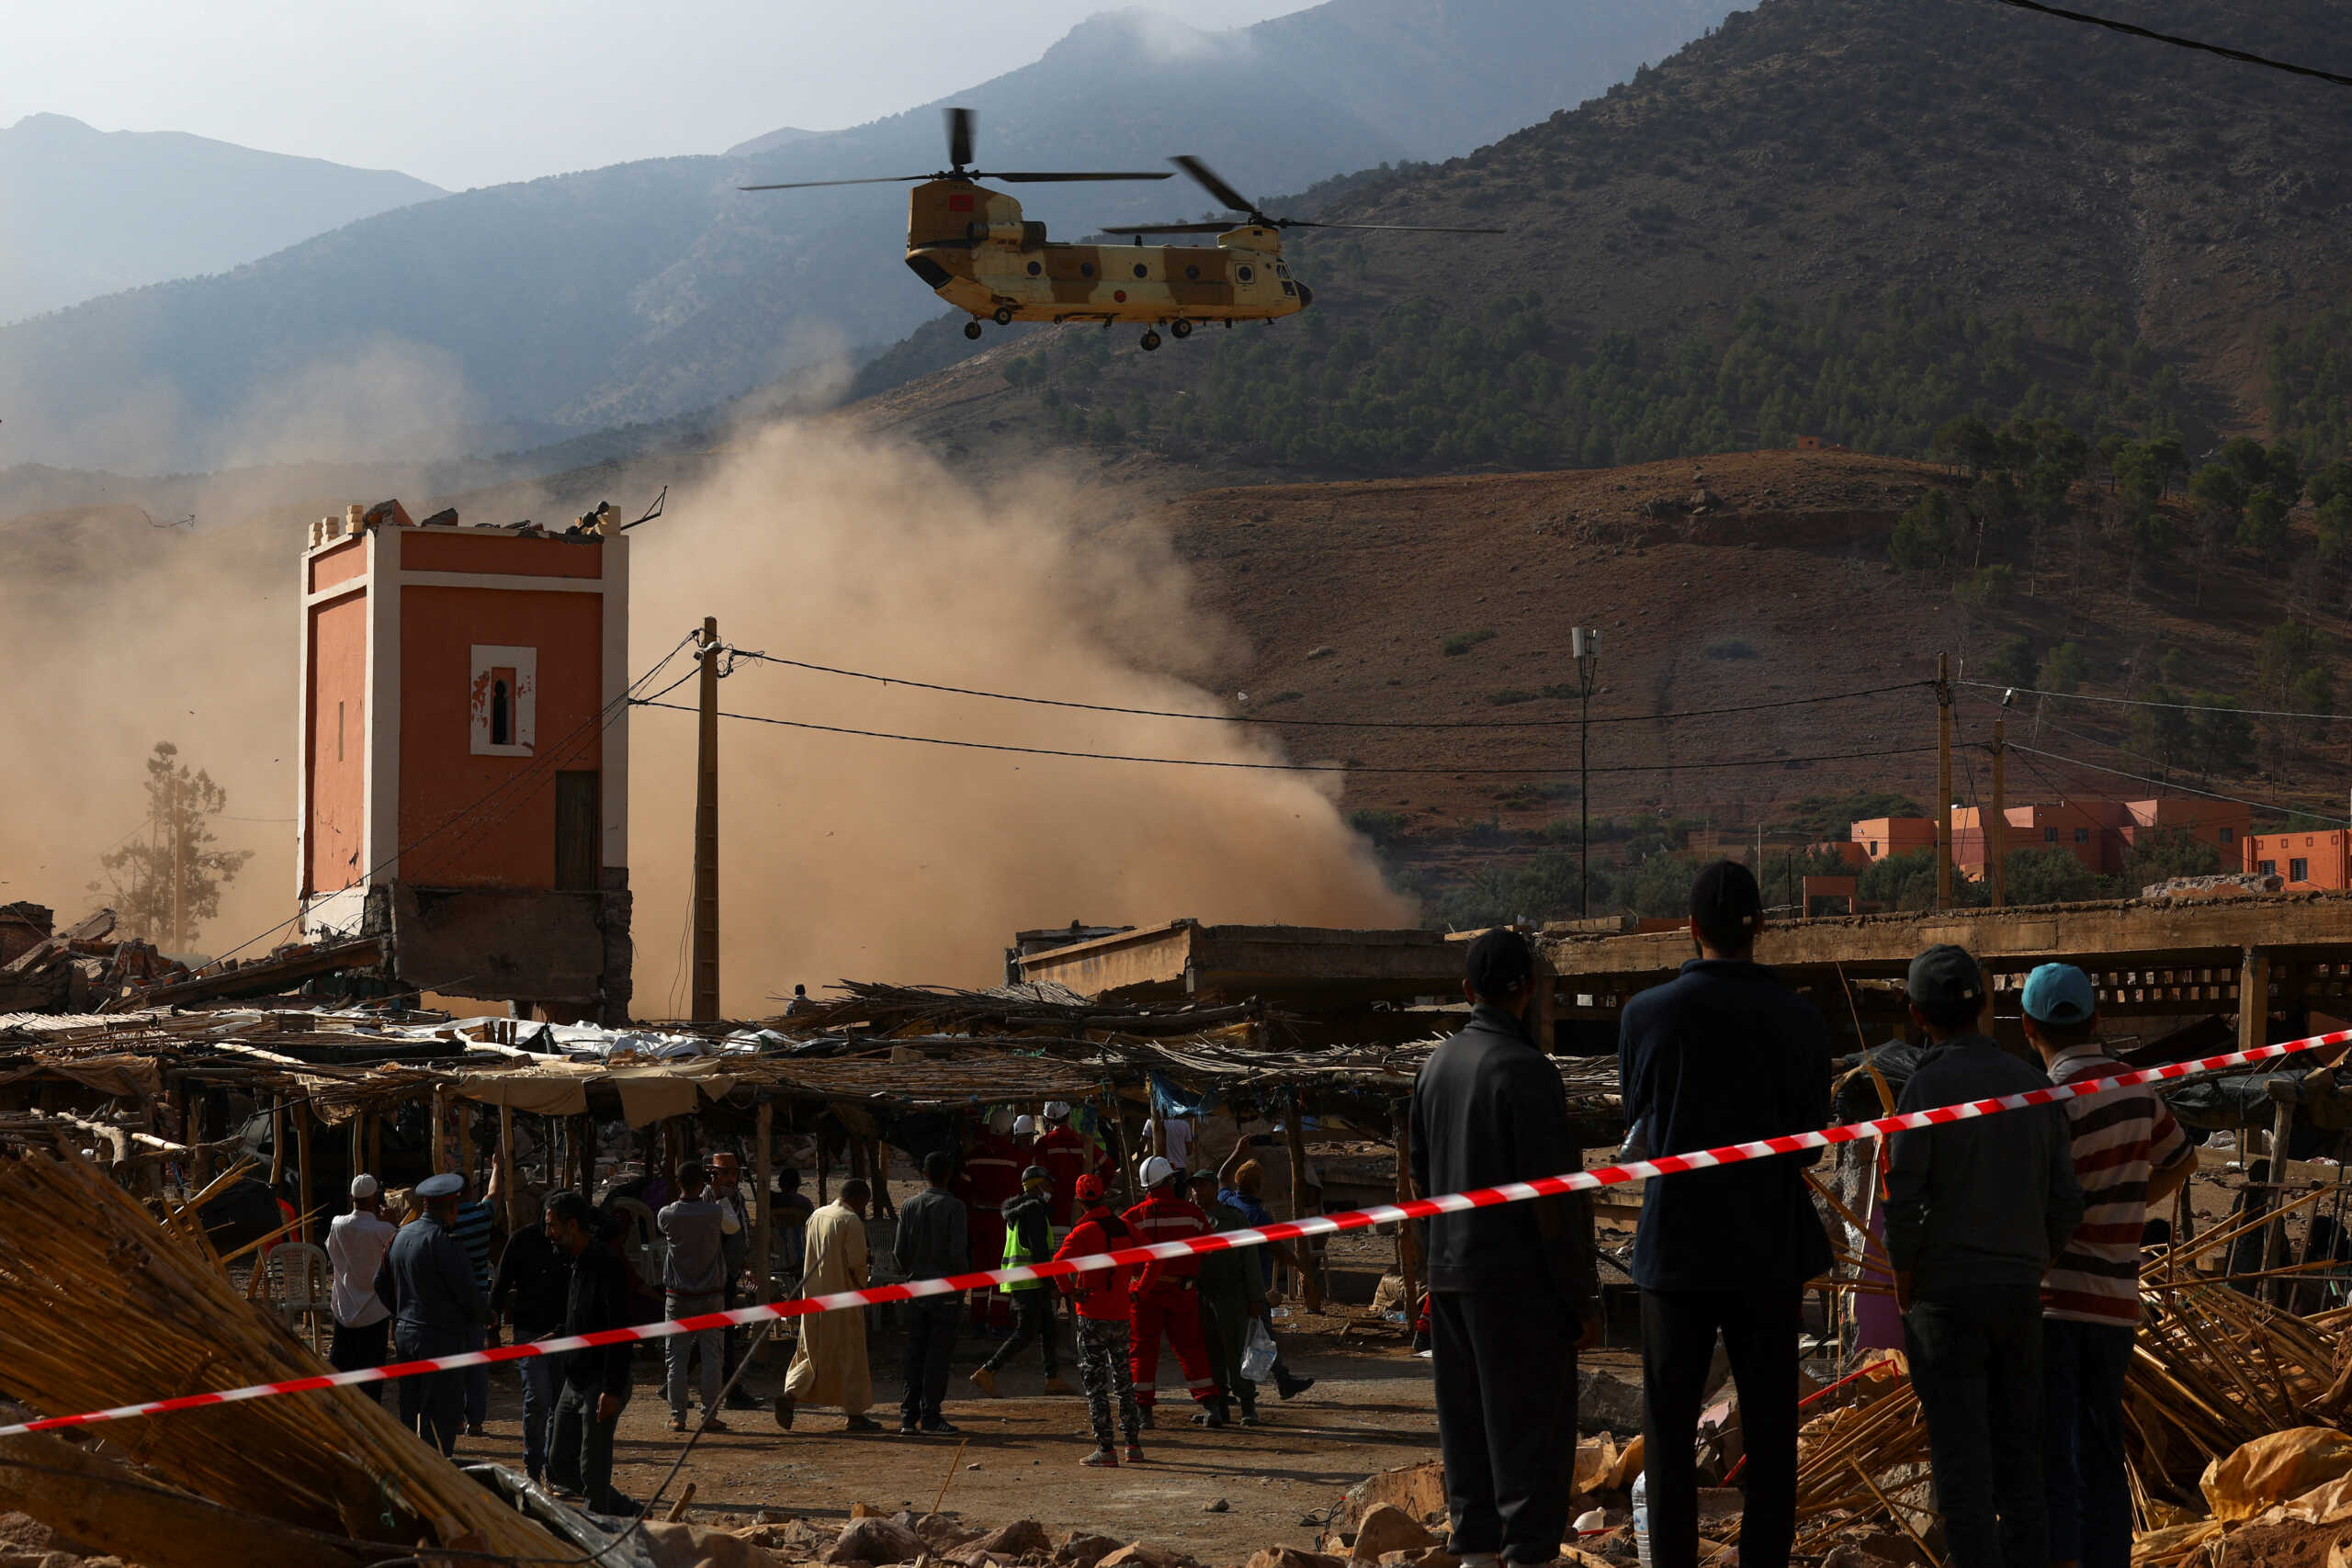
(1244, 272)
(1288, 287)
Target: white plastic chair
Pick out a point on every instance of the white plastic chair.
(301, 1289)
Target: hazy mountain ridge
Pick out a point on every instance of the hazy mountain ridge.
(642, 291)
(86, 212)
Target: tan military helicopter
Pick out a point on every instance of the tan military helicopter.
(977, 252)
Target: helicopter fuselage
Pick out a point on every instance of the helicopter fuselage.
(977, 252)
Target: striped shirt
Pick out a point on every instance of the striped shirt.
(2120, 1137)
(472, 1231)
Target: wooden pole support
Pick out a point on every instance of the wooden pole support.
(706, 862)
(762, 1205)
(1408, 1239)
(1943, 781)
(1996, 827)
(302, 1120)
(1310, 1287)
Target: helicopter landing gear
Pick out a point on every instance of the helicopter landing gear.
(1150, 340)
(971, 329)
(1180, 328)
(1003, 316)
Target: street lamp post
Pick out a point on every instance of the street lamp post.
(1583, 646)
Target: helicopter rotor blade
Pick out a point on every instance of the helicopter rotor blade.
(960, 137)
(1389, 228)
(875, 180)
(1217, 226)
(1035, 178)
(1211, 182)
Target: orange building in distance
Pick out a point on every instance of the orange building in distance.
(464, 756)
(2318, 858)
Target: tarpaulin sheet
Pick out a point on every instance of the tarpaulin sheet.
(124, 1078)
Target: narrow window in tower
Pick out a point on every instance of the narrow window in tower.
(502, 700)
(501, 706)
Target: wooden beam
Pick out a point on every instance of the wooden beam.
(441, 1094)
(1310, 1287)
(1408, 1239)
(302, 1152)
(763, 1206)
(510, 1178)
(88, 1496)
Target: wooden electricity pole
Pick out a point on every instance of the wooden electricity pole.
(1943, 781)
(179, 865)
(1996, 827)
(706, 951)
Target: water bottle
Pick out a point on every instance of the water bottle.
(1642, 1517)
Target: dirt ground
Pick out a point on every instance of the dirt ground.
(1370, 1410)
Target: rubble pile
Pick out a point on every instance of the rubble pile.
(75, 970)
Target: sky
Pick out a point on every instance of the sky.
(478, 91)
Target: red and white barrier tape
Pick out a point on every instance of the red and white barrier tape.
(1220, 1241)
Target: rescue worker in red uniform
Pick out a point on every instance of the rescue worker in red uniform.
(1099, 1300)
(989, 1178)
(1166, 1292)
(1066, 1156)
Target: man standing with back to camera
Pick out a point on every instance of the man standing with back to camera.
(1512, 1288)
(1723, 1053)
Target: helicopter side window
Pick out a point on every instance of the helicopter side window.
(1142, 271)
(1086, 269)
(1192, 274)
(1036, 267)
(1244, 272)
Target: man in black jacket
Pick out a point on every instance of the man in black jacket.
(534, 1278)
(596, 1381)
(1723, 1053)
(1976, 1210)
(1511, 1288)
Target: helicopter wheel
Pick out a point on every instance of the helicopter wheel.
(1003, 316)
(971, 329)
(1180, 328)
(1150, 341)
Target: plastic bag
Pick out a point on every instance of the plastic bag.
(1258, 1352)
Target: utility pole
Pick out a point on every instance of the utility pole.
(1943, 781)
(705, 950)
(1997, 829)
(1583, 646)
(180, 863)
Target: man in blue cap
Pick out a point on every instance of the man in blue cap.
(1976, 1211)
(427, 1280)
(2129, 1155)
(1725, 1053)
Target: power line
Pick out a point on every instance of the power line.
(2185, 789)
(1318, 723)
(2144, 703)
(1284, 767)
(2240, 55)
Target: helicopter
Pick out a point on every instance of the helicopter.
(977, 252)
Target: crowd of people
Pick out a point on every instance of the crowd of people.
(2013, 1241)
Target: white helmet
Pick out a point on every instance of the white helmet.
(1058, 1111)
(1157, 1169)
(1024, 1126)
(1000, 1120)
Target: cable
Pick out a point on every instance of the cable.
(1321, 723)
(2207, 794)
(2111, 25)
(1290, 767)
(2143, 702)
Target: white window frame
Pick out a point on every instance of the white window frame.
(523, 720)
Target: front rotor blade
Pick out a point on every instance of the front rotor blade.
(1387, 228)
(1034, 179)
(960, 137)
(1213, 183)
(811, 185)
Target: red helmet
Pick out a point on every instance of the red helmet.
(1089, 1190)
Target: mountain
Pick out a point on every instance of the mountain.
(637, 292)
(1830, 217)
(86, 212)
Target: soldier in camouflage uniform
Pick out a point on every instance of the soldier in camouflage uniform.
(1099, 1298)
(1233, 1290)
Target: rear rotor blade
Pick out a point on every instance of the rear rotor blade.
(1218, 227)
(1389, 228)
(1035, 178)
(811, 185)
(960, 137)
(1211, 182)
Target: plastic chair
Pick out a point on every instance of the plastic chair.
(301, 1289)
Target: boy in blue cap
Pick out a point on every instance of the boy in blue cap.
(2128, 1155)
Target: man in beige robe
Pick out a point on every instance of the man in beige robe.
(830, 1367)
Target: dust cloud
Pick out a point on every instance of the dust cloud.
(846, 857)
